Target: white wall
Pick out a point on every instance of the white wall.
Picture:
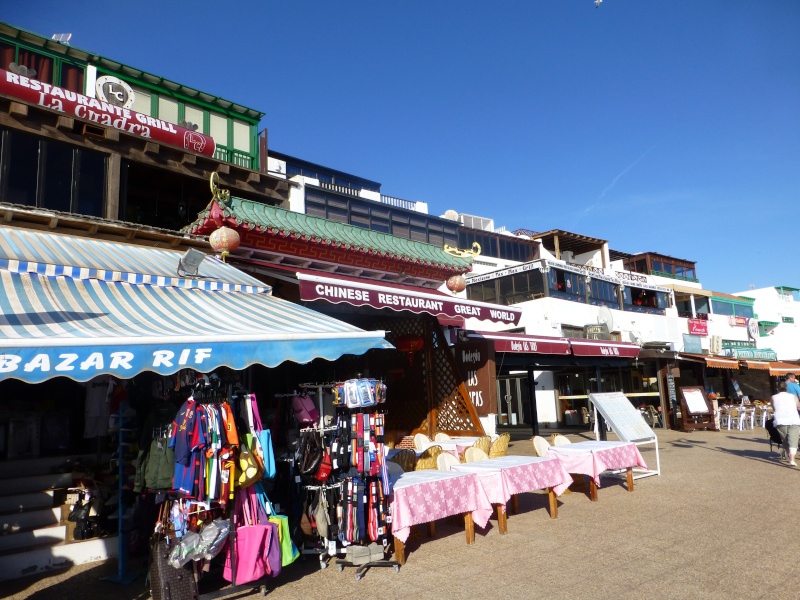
(771, 306)
(297, 194)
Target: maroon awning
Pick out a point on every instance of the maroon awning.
(522, 343)
(365, 292)
(581, 347)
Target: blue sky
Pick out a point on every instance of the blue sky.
(665, 126)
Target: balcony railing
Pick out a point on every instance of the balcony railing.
(673, 276)
(687, 314)
(341, 189)
(236, 157)
(399, 202)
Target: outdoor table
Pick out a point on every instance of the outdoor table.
(425, 496)
(504, 477)
(593, 457)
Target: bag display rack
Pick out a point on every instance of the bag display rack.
(355, 446)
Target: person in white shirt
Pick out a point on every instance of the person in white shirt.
(787, 420)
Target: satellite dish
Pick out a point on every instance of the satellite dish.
(605, 317)
(451, 214)
(633, 337)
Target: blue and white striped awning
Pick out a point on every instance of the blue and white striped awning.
(126, 313)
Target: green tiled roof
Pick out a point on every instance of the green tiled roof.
(278, 221)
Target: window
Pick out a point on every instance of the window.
(400, 226)
(603, 293)
(483, 292)
(56, 183)
(72, 77)
(721, 308)
(701, 305)
(738, 309)
(46, 174)
(567, 285)
(650, 301)
(8, 55)
(495, 245)
(43, 65)
(568, 331)
(218, 129)
(241, 136)
(21, 153)
(193, 115)
(167, 109)
(91, 183)
(142, 101)
(49, 68)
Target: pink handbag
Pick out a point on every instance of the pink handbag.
(304, 409)
(255, 542)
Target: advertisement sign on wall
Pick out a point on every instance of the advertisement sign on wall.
(476, 362)
(698, 327)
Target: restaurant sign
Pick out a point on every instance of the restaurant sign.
(753, 353)
(698, 327)
(476, 362)
(735, 321)
(382, 295)
(738, 344)
(106, 114)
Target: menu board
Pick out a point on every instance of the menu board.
(623, 417)
(695, 400)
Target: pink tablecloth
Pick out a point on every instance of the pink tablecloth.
(592, 458)
(424, 496)
(503, 477)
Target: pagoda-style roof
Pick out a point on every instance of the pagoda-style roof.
(274, 223)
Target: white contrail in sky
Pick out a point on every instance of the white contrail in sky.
(614, 181)
(625, 170)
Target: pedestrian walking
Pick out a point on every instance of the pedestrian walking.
(791, 385)
(787, 420)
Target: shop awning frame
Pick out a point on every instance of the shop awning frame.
(522, 343)
(610, 348)
(685, 289)
(779, 369)
(715, 362)
(519, 343)
(78, 321)
(755, 364)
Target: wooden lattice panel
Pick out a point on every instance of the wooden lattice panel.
(454, 411)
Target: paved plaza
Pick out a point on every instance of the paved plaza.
(719, 522)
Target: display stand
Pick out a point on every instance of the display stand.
(627, 423)
(363, 568)
(696, 410)
(123, 576)
(328, 549)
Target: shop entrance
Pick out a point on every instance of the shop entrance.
(513, 401)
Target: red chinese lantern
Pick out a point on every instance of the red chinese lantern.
(409, 344)
(224, 240)
(456, 284)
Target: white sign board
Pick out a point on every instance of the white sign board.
(623, 418)
(695, 401)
